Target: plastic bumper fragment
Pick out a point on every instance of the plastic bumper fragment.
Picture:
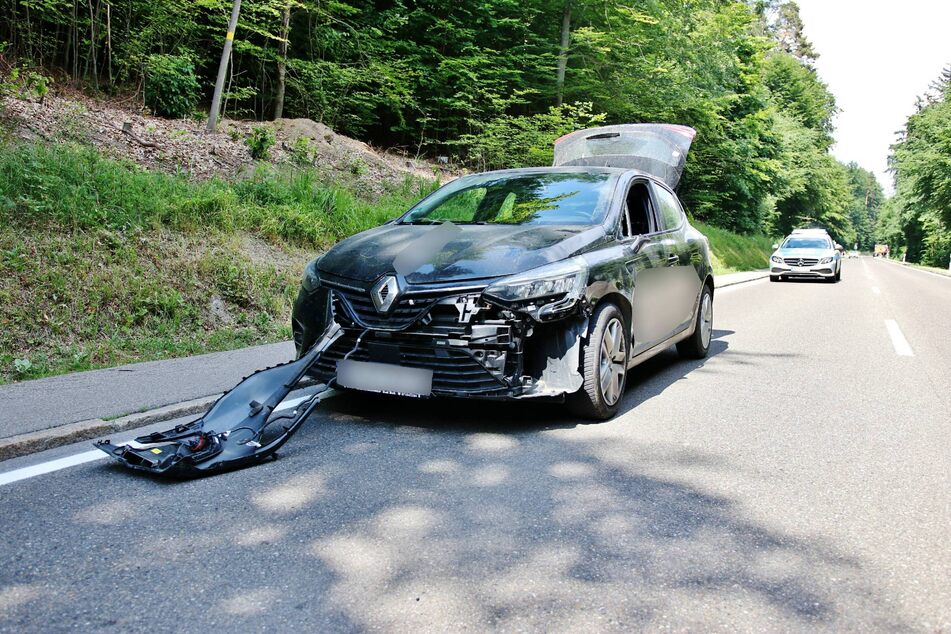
(242, 428)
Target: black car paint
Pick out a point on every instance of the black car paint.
(479, 251)
(635, 271)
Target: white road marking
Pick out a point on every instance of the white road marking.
(902, 348)
(89, 456)
(51, 466)
(876, 290)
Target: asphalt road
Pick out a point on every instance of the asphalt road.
(797, 480)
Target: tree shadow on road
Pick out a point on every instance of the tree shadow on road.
(396, 516)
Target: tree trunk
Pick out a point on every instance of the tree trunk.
(75, 39)
(109, 40)
(222, 69)
(282, 62)
(563, 51)
(92, 47)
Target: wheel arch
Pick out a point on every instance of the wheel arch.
(623, 304)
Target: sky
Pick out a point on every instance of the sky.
(877, 57)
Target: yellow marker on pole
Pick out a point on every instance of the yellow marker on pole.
(230, 35)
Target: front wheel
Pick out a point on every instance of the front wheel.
(603, 366)
(773, 278)
(697, 345)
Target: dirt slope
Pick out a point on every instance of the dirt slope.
(122, 130)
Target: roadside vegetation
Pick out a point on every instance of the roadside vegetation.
(103, 263)
(734, 252)
(488, 83)
(916, 222)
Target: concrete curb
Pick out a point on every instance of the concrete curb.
(758, 276)
(24, 444)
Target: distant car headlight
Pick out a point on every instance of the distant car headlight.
(311, 280)
(776, 259)
(544, 291)
(826, 260)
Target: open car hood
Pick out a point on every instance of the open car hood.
(657, 149)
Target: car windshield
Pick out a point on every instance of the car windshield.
(807, 243)
(547, 198)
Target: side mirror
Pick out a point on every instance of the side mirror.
(839, 247)
(775, 246)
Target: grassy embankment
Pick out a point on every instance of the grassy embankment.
(102, 263)
(733, 252)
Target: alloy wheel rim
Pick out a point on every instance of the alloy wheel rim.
(706, 320)
(613, 359)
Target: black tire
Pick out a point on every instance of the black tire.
(838, 274)
(774, 278)
(590, 401)
(697, 345)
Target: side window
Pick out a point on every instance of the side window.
(670, 214)
(638, 211)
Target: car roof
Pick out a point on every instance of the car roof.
(807, 231)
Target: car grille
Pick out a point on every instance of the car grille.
(455, 372)
(801, 261)
(424, 308)
(358, 306)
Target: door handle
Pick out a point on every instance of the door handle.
(673, 260)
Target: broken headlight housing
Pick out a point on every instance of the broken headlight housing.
(545, 292)
(311, 280)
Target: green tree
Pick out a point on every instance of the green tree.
(921, 161)
(867, 199)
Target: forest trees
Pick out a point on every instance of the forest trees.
(491, 82)
(917, 219)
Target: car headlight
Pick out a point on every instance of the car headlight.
(544, 291)
(826, 260)
(776, 259)
(311, 280)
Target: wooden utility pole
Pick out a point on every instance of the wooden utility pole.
(223, 69)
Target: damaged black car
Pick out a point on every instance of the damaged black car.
(525, 283)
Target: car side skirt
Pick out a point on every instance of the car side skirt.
(663, 345)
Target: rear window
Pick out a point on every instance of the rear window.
(554, 198)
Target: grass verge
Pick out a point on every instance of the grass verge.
(102, 263)
(733, 252)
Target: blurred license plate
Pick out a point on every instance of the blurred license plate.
(384, 378)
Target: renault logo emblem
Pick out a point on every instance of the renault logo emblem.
(384, 293)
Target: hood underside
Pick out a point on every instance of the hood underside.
(657, 149)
